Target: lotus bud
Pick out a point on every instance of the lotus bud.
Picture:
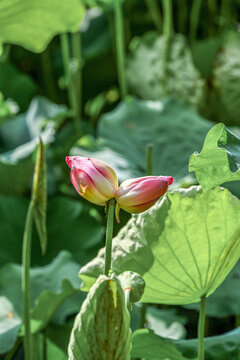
(93, 179)
(138, 195)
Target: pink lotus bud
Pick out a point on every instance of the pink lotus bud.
(138, 195)
(93, 179)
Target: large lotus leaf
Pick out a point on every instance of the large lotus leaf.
(145, 70)
(219, 160)
(172, 127)
(147, 345)
(16, 85)
(150, 346)
(50, 286)
(20, 138)
(225, 301)
(102, 328)
(224, 93)
(33, 23)
(70, 226)
(183, 247)
(9, 325)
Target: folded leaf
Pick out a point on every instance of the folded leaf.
(219, 160)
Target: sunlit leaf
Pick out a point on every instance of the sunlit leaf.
(33, 23)
(183, 247)
(103, 309)
(219, 160)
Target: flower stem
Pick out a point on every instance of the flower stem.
(77, 56)
(26, 262)
(109, 234)
(120, 46)
(201, 327)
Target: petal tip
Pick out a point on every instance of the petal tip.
(169, 180)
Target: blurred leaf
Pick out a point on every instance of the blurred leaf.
(209, 46)
(32, 24)
(124, 133)
(222, 347)
(147, 345)
(46, 305)
(166, 322)
(176, 238)
(46, 349)
(39, 196)
(103, 309)
(20, 137)
(16, 85)
(223, 99)
(145, 70)
(95, 34)
(9, 325)
(70, 226)
(225, 301)
(219, 160)
(47, 286)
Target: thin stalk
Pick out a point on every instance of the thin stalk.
(120, 46)
(149, 159)
(225, 12)
(155, 13)
(213, 9)
(182, 13)
(109, 234)
(47, 71)
(201, 327)
(167, 31)
(194, 19)
(72, 99)
(77, 55)
(26, 290)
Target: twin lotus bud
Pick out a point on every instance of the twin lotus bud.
(97, 182)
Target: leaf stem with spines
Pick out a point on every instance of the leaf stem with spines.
(201, 328)
(26, 263)
(120, 46)
(109, 234)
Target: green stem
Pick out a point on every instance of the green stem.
(72, 98)
(120, 46)
(47, 72)
(167, 31)
(26, 290)
(213, 9)
(201, 328)
(149, 159)
(77, 55)
(194, 19)
(109, 234)
(155, 13)
(182, 15)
